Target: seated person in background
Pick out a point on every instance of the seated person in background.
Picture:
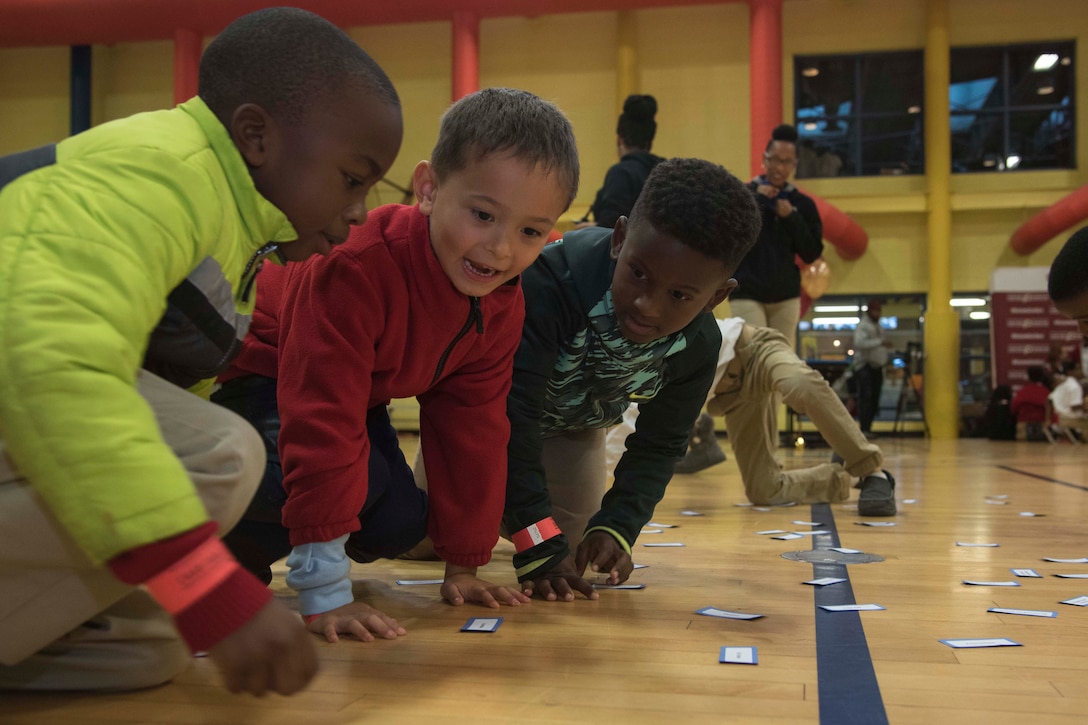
(755, 364)
(1067, 398)
(422, 301)
(1029, 406)
(614, 316)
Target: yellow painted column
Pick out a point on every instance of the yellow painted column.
(627, 60)
(942, 326)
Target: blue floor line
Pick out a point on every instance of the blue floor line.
(848, 690)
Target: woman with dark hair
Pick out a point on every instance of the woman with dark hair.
(622, 184)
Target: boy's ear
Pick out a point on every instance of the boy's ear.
(721, 295)
(619, 234)
(254, 132)
(424, 184)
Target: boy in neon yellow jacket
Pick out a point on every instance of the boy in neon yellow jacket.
(132, 245)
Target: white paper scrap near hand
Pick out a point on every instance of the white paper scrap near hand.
(768, 532)
(725, 614)
(744, 504)
(1027, 572)
(824, 581)
(990, 584)
(664, 543)
(738, 656)
(661, 526)
(998, 642)
(1081, 601)
(1072, 576)
(807, 523)
(875, 523)
(1024, 612)
(787, 537)
(761, 508)
(812, 533)
(968, 543)
(619, 586)
(1067, 561)
(639, 566)
(410, 582)
(844, 550)
(482, 624)
(910, 500)
(650, 531)
(851, 607)
(690, 513)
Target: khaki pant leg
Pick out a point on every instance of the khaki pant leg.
(750, 311)
(69, 624)
(574, 464)
(784, 316)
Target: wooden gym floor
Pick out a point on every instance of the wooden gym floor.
(645, 656)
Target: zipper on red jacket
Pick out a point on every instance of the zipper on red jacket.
(475, 316)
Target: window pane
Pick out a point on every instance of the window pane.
(826, 148)
(825, 85)
(892, 145)
(976, 79)
(978, 141)
(1041, 139)
(891, 82)
(1040, 73)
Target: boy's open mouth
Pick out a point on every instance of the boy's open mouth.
(479, 269)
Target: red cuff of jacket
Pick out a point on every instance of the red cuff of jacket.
(224, 607)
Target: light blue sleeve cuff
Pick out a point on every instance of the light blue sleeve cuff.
(319, 573)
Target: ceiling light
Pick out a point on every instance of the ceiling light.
(837, 343)
(1045, 61)
(835, 308)
(836, 320)
(1012, 162)
(979, 315)
(967, 302)
(812, 71)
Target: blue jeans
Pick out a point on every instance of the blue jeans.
(393, 519)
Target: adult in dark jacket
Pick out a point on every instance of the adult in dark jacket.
(622, 184)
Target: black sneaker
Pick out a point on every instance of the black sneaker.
(877, 496)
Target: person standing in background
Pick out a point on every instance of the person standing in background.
(623, 183)
(870, 357)
(769, 283)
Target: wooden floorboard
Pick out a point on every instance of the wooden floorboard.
(645, 656)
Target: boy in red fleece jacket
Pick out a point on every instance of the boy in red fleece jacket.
(423, 301)
(135, 244)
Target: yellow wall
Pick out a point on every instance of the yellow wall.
(695, 61)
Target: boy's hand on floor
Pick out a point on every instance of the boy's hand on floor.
(271, 652)
(357, 619)
(465, 586)
(560, 582)
(601, 552)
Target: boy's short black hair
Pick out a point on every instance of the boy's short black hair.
(1069, 271)
(783, 132)
(282, 59)
(701, 205)
(636, 126)
(520, 123)
(1036, 374)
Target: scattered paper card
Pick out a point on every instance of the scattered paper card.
(824, 581)
(664, 543)
(482, 624)
(788, 537)
(410, 582)
(1031, 514)
(744, 504)
(639, 566)
(1081, 601)
(1072, 576)
(619, 586)
(761, 508)
(910, 500)
(997, 495)
(991, 584)
(768, 532)
(968, 543)
(998, 642)
(1027, 572)
(690, 513)
(738, 656)
(725, 614)
(812, 533)
(851, 607)
(875, 523)
(661, 526)
(806, 523)
(1083, 560)
(996, 502)
(650, 531)
(844, 550)
(1025, 612)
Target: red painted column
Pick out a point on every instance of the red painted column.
(466, 54)
(188, 45)
(765, 74)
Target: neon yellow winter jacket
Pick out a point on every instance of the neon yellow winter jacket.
(90, 248)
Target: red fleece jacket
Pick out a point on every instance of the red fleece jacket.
(378, 319)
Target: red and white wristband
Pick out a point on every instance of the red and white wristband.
(534, 534)
(191, 578)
